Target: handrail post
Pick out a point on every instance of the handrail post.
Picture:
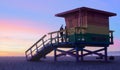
(82, 34)
(111, 37)
(31, 52)
(51, 37)
(43, 42)
(66, 35)
(58, 37)
(36, 48)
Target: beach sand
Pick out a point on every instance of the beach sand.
(63, 63)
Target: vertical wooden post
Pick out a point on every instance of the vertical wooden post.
(111, 34)
(58, 37)
(55, 54)
(43, 42)
(51, 37)
(77, 54)
(106, 57)
(66, 35)
(82, 54)
(36, 48)
(31, 52)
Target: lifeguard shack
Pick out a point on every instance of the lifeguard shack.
(85, 27)
(89, 27)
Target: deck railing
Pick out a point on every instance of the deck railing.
(56, 35)
(111, 36)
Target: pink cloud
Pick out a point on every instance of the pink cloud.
(9, 25)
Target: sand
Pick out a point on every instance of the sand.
(63, 63)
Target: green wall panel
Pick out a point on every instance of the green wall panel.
(88, 37)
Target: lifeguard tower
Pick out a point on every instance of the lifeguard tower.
(85, 27)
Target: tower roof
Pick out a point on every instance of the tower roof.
(63, 14)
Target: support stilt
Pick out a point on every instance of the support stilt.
(55, 54)
(82, 55)
(106, 54)
(77, 54)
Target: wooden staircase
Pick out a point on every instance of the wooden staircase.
(45, 45)
(40, 49)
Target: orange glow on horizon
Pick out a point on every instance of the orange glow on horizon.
(16, 37)
(9, 53)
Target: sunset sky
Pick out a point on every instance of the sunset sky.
(23, 22)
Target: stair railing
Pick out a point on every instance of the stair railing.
(35, 47)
